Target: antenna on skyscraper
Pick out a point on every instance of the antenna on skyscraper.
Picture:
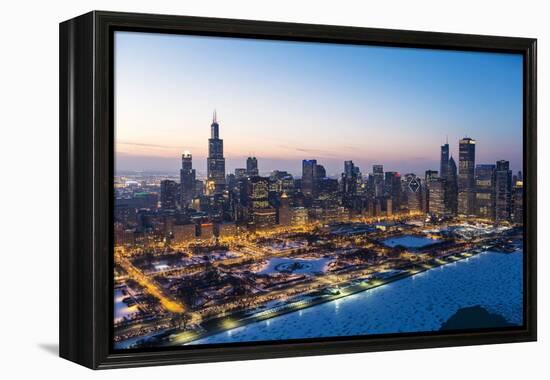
(446, 139)
(215, 117)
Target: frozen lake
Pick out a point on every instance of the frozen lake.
(414, 304)
(409, 241)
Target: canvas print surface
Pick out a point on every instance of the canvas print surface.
(268, 191)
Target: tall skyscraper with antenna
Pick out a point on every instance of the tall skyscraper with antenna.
(215, 160)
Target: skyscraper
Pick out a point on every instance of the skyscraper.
(430, 174)
(517, 202)
(485, 191)
(168, 194)
(187, 179)
(503, 191)
(466, 176)
(321, 172)
(392, 184)
(240, 173)
(261, 214)
(429, 177)
(436, 196)
(444, 162)
(378, 174)
(215, 160)
(252, 166)
(451, 188)
(349, 168)
(285, 212)
(414, 192)
(309, 177)
(349, 179)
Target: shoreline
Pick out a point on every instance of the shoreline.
(230, 322)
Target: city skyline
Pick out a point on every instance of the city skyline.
(280, 125)
(242, 163)
(292, 175)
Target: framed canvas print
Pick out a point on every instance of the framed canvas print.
(238, 189)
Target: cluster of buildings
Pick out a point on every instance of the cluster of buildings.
(222, 203)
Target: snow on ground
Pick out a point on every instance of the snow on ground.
(121, 309)
(281, 245)
(294, 266)
(409, 241)
(415, 304)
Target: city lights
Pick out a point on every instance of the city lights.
(198, 256)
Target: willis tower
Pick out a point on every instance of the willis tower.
(215, 161)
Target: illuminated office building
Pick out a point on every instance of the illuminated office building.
(187, 179)
(215, 160)
(485, 191)
(168, 194)
(503, 191)
(309, 178)
(466, 176)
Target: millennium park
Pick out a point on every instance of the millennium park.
(251, 255)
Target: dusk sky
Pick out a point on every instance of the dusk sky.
(288, 101)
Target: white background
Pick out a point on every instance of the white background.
(29, 191)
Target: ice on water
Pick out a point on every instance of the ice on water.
(415, 304)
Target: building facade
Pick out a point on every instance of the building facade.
(466, 176)
(485, 192)
(215, 161)
(187, 179)
(444, 160)
(503, 191)
(309, 178)
(252, 166)
(168, 194)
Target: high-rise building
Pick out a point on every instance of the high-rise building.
(261, 214)
(320, 172)
(281, 181)
(309, 178)
(349, 179)
(466, 176)
(187, 179)
(485, 191)
(392, 184)
(240, 198)
(285, 212)
(215, 160)
(429, 176)
(349, 168)
(436, 194)
(378, 174)
(389, 207)
(300, 216)
(252, 166)
(451, 188)
(444, 162)
(240, 173)
(414, 193)
(517, 202)
(503, 191)
(258, 192)
(168, 194)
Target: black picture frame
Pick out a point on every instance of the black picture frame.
(86, 186)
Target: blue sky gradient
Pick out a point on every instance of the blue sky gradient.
(288, 101)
